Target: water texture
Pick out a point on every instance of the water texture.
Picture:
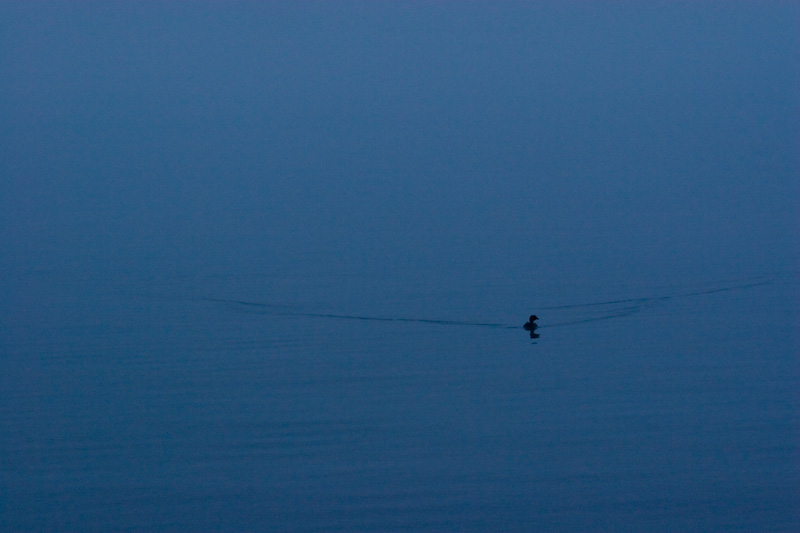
(265, 266)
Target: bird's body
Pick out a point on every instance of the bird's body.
(531, 324)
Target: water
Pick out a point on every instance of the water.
(135, 403)
(265, 266)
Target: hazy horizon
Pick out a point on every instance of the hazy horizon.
(538, 136)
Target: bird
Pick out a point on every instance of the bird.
(531, 324)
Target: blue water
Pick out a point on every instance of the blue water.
(264, 266)
(276, 400)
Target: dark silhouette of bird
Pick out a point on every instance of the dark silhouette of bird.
(531, 324)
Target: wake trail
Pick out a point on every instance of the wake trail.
(639, 304)
(629, 306)
(277, 312)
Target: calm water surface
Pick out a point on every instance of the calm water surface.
(272, 401)
(265, 266)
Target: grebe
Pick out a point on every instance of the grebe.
(531, 324)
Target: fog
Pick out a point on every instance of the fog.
(519, 138)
